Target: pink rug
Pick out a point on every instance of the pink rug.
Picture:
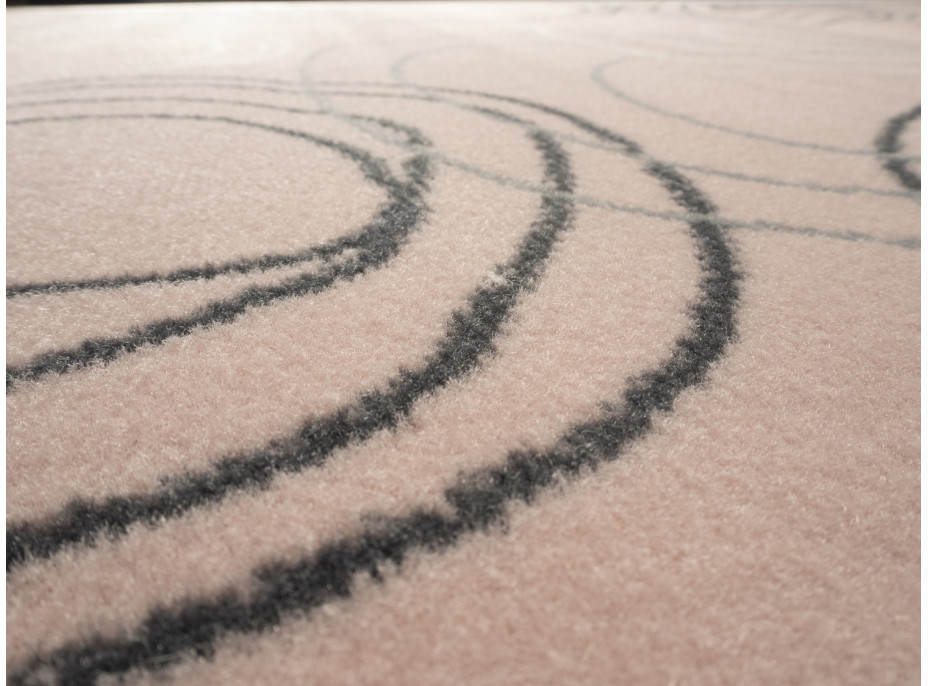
(485, 343)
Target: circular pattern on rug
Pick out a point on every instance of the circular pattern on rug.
(474, 501)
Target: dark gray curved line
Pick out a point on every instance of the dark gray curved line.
(852, 236)
(753, 225)
(913, 243)
(479, 501)
(262, 263)
(246, 265)
(906, 243)
(470, 337)
(56, 287)
(696, 218)
(274, 261)
(589, 201)
(843, 190)
(756, 225)
(112, 514)
(889, 144)
(375, 244)
(325, 251)
(600, 80)
(628, 146)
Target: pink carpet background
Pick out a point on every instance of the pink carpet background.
(491, 343)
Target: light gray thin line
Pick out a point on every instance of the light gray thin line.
(755, 225)
(600, 80)
(563, 136)
(852, 236)
(398, 73)
(308, 87)
(169, 98)
(590, 201)
(397, 69)
(843, 190)
(846, 190)
(519, 184)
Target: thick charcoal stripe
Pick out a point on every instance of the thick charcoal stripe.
(375, 244)
(846, 190)
(469, 337)
(600, 132)
(888, 143)
(324, 252)
(607, 145)
(757, 225)
(478, 501)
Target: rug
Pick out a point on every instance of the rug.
(439, 343)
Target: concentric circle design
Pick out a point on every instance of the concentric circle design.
(373, 170)
(477, 500)
(454, 331)
(370, 247)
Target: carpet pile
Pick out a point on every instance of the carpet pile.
(420, 343)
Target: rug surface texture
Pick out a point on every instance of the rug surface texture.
(464, 343)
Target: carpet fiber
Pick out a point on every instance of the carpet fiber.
(481, 343)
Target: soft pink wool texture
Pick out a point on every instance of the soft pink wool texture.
(764, 529)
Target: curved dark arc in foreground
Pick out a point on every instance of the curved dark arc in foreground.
(470, 334)
(478, 501)
(324, 251)
(241, 266)
(375, 244)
